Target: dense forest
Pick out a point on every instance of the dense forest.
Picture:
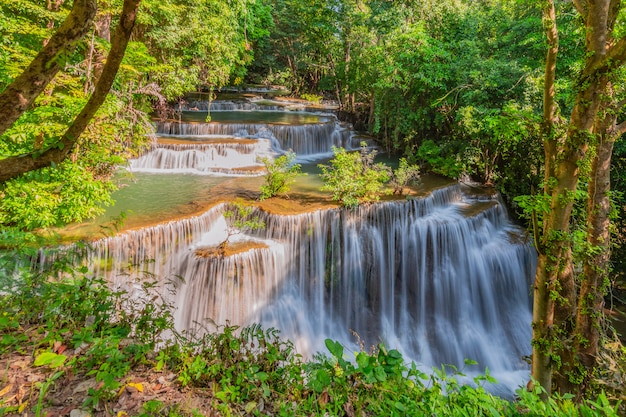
(525, 96)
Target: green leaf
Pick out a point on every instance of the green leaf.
(335, 348)
(320, 380)
(380, 374)
(363, 360)
(50, 359)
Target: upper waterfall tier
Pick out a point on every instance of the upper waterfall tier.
(305, 139)
(232, 105)
(218, 156)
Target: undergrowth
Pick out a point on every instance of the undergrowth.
(74, 325)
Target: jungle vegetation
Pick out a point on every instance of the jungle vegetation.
(524, 95)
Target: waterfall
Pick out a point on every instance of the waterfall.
(231, 158)
(441, 278)
(228, 105)
(305, 139)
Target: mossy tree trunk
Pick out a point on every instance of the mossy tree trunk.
(543, 308)
(556, 304)
(16, 165)
(596, 263)
(20, 94)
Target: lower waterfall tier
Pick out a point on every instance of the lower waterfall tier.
(435, 277)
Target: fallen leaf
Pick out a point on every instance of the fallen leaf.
(349, 409)
(250, 406)
(137, 385)
(323, 400)
(5, 390)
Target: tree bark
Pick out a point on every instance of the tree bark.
(596, 264)
(21, 93)
(556, 302)
(95, 62)
(549, 89)
(543, 305)
(17, 165)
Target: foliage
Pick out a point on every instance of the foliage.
(248, 370)
(59, 305)
(301, 43)
(403, 176)
(429, 153)
(281, 173)
(494, 135)
(353, 177)
(313, 98)
(466, 78)
(177, 47)
(202, 42)
(53, 196)
(239, 219)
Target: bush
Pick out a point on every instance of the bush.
(353, 177)
(281, 173)
(53, 196)
(404, 175)
(74, 324)
(431, 154)
(313, 98)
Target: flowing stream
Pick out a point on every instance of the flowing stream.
(442, 277)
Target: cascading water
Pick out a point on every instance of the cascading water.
(441, 278)
(230, 105)
(231, 158)
(238, 148)
(305, 139)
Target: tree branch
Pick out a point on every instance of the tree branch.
(614, 9)
(549, 87)
(617, 55)
(13, 166)
(21, 93)
(582, 7)
(620, 129)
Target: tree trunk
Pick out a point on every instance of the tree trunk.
(556, 240)
(21, 93)
(543, 308)
(596, 263)
(372, 111)
(103, 26)
(556, 302)
(603, 58)
(348, 103)
(17, 165)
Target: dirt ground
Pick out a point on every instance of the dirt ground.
(21, 384)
